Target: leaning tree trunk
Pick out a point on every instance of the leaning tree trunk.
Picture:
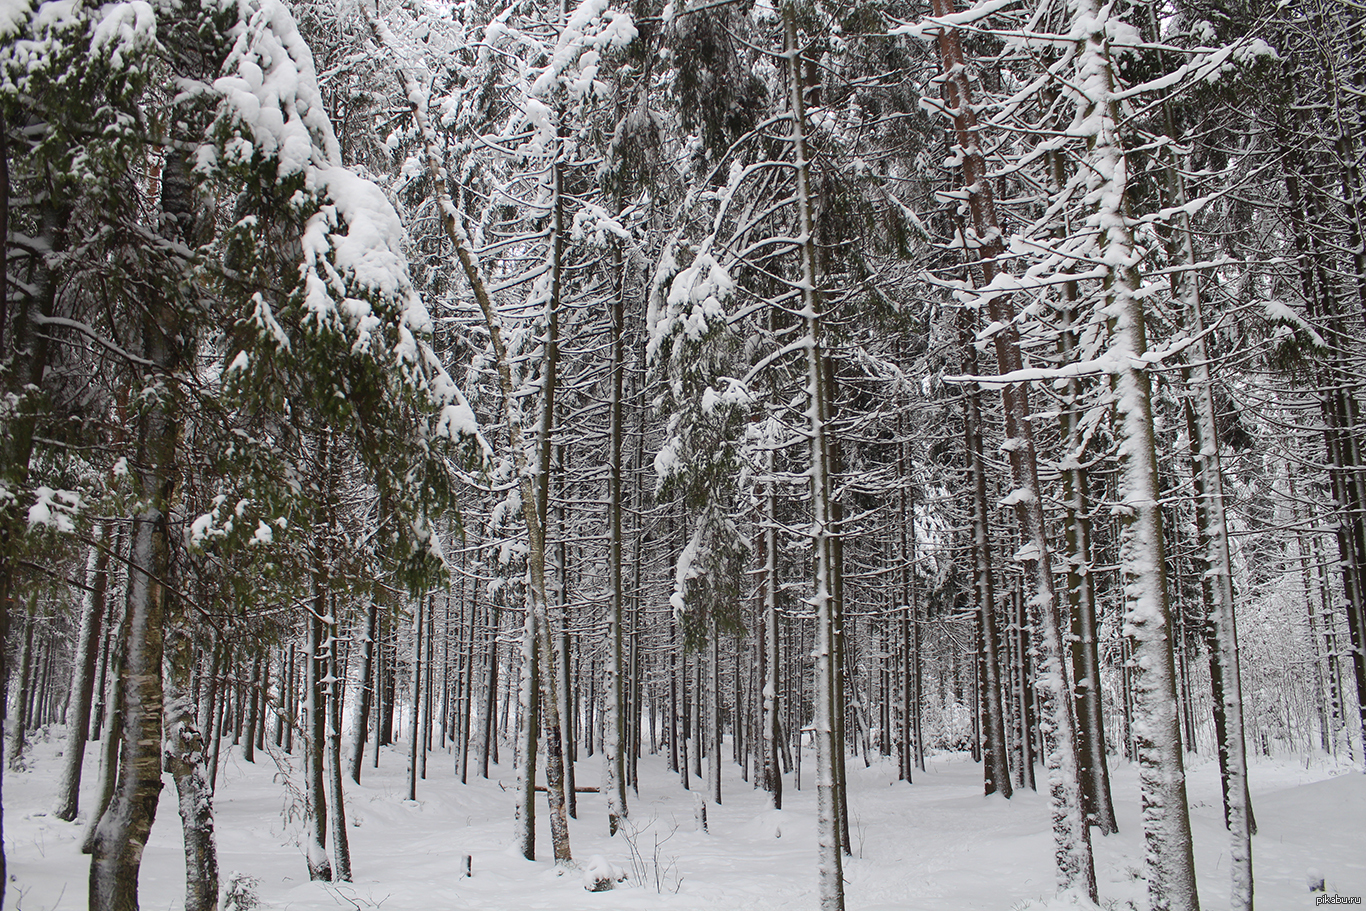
(537, 621)
(1072, 838)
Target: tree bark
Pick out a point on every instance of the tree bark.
(185, 761)
(361, 717)
(315, 730)
(336, 676)
(614, 739)
(830, 873)
(1072, 840)
(83, 675)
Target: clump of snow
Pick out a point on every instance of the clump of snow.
(601, 875)
(123, 29)
(54, 509)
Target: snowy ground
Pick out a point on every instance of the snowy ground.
(936, 844)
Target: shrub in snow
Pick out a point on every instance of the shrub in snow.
(239, 893)
(601, 874)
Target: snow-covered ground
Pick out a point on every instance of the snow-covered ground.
(931, 846)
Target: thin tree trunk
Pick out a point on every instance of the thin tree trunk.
(315, 731)
(714, 712)
(490, 692)
(772, 778)
(996, 766)
(414, 729)
(253, 708)
(18, 725)
(83, 675)
(336, 677)
(614, 737)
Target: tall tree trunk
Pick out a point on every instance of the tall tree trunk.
(123, 827)
(614, 739)
(537, 624)
(121, 832)
(1166, 822)
(254, 705)
(996, 766)
(414, 721)
(830, 872)
(486, 732)
(1217, 561)
(1072, 839)
(772, 777)
(19, 722)
(714, 713)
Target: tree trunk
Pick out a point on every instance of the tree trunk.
(486, 732)
(361, 717)
(336, 677)
(83, 675)
(19, 722)
(830, 873)
(255, 701)
(614, 739)
(1072, 839)
(123, 827)
(414, 721)
(772, 777)
(185, 762)
(315, 731)
(1166, 823)
(996, 766)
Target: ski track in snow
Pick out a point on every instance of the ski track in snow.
(934, 845)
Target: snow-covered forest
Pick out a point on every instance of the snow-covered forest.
(689, 454)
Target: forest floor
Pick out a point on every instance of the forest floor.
(935, 845)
